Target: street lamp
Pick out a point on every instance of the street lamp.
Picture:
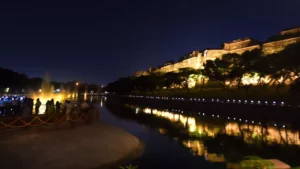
(77, 83)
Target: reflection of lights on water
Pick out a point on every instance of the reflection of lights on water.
(191, 121)
(182, 119)
(230, 128)
(200, 130)
(171, 116)
(192, 128)
(147, 111)
(136, 110)
(176, 117)
(101, 103)
(85, 96)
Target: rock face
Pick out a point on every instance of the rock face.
(85, 146)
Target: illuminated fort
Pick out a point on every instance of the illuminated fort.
(198, 58)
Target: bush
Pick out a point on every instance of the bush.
(254, 162)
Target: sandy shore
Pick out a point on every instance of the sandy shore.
(85, 146)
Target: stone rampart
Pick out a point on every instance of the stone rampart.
(290, 31)
(193, 62)
(237, 44)
(141, 73)
(196, 59)
(277, 46)
(242, 50)
(213, 54)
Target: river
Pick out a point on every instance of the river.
(176, 139)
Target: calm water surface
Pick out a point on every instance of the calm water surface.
(184, 140)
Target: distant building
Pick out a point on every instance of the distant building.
(141, 73)
(196, 59)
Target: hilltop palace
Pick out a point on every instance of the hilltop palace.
(196, 59)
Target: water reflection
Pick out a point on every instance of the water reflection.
(268, 134)
(250, 132)
(214, 139)
(261, 139)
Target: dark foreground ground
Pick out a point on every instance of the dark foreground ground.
(85, 146)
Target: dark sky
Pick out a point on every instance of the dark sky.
(98, 42)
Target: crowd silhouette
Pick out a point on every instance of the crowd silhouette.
(26, 107)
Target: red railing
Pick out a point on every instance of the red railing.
(40, 120)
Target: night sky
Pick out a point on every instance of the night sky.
(98, 42)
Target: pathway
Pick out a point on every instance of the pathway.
(85, 146)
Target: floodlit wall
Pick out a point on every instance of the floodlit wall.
(194, 61)
(238, 44)
(290, 31)
(277, 46)
(242, 50)
(197, 59)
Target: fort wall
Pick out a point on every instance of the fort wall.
(196, 59)
(141, 73)
(197, 62)
(277, 46)
(290, 31)
(194, 62)
(237, 44)
(242, 50)
(213, 54)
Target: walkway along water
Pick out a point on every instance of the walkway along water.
(61, 147)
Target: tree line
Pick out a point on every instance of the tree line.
(231, 71)
(21, 83)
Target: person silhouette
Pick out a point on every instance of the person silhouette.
(57, 107)
(37, 106)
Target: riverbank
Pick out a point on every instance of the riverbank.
(86, 146)
(253, 113)
(255, 93)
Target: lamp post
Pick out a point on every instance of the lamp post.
(76, 87)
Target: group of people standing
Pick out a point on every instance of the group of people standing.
(57, 107)
(26, 107)
(50, 107)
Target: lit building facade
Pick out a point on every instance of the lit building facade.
(197, 59)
